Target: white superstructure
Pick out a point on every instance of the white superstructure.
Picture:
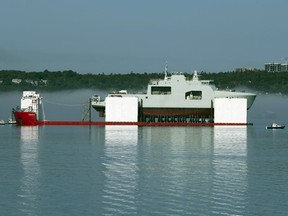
(31, 102)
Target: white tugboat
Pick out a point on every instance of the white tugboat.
(275, 126)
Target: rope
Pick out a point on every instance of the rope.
(61, 104)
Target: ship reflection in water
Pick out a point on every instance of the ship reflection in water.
(29, 187)
(120, 162)
(206, 164)
(230, 165)
(29, 135)
(145, 170)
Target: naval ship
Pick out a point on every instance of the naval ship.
(176, 96)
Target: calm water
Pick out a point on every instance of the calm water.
(54, 170)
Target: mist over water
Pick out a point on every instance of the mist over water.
(67, 105)
(269, 108)
(9, 100)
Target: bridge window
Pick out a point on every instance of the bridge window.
(161, 90)
(193, 95)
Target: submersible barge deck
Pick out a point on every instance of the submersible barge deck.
(31, 113)
(142, 124)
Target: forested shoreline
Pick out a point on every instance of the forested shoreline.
(260, 81)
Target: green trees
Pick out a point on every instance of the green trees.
(262, 81)
(62, 80)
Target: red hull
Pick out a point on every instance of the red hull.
(29, 119)
(31, 122)
(25, 118)
(141, 124)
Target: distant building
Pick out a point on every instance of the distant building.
(44, 81)
(284, 67)
(276, 67)
(29, 81)
(35, 83)
(16, 81)
(245, 69)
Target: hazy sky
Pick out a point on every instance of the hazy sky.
(120, 36)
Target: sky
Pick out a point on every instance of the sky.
(121, 36)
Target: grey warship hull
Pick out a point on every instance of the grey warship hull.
(176, 96)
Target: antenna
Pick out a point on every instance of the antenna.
(166, 70)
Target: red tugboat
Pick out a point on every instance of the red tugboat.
(30, 111)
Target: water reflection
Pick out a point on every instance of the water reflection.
(121, 135)
(120, 169)
(230, 169)
(29, 159)
(174, 170)
(230, 140)
(29, 135)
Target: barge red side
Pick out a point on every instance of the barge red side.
(29, 119)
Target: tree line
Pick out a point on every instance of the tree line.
(262, 81)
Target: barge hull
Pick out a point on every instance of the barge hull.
(141, 124)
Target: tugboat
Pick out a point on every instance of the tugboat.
(31, 110)
(11, 121)
(275, 126)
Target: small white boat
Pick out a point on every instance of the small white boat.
(275, 126)
(11, 121)
(2, 122)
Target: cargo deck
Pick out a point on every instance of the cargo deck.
(142, 124)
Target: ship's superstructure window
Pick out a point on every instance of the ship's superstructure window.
(160, 90)
(193, 95)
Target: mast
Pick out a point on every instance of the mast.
(195, 76)
(166, 71)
